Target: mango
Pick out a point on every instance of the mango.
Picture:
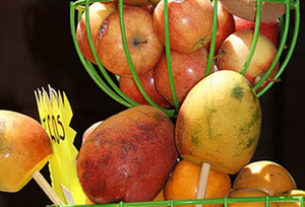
(128, 157)
(24, 148)
(219, 122)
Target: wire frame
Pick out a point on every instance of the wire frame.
(104, 80)
(299, 200)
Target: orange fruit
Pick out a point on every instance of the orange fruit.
(248, 192)
(267, 176)
(182, 185)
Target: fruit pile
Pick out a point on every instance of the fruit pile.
(189, 41)
(140, 154)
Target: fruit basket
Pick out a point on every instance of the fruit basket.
(109, 82)
(289, 27)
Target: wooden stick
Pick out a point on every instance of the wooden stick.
(203, 181)
(47, 189)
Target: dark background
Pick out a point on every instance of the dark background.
(36, 49)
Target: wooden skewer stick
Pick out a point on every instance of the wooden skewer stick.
(45, 186)
(203, 181)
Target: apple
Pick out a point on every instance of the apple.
(269, 29)
(187, 70)
(234, 52)
(144, 47)
(97, 14)
(190, 24)
(225, 26)
(129, 87)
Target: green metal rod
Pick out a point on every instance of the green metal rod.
(213, 39)
(255, 36)
(130, 64)
(280, 50)
(100, 66)
(168, 57)
(291, 49)
(91, 72)
(171, 203)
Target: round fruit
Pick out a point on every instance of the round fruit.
(147, 80)
(248, 192)
(24, 148)
(187, 69)
(190, 24)
(98, 12)
(246, 9)
(267, 176)
(219, 122)
(183, 183)
(128, 157)
(144, 47)
(234, 53)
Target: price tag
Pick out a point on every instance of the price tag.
(55, 115)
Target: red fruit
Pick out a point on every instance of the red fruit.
(269, 29)
(129, 87)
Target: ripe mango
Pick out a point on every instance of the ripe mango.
(24, 148)
(219, 122)
(128, 157)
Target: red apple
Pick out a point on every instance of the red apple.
(269, 29)
(234, 52)
(129, 87)
(187, 69)
(97, 14)
(190, 24)
(225, 26)
(144, 47)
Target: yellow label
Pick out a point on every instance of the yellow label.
(55, 115)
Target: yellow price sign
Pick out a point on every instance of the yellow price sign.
(55, 115)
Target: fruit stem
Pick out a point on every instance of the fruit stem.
(274, 80)
(220, 54)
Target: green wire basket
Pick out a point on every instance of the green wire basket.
(106, 82)
(224, 201)
(110, 87)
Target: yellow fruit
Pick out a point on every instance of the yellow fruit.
(267, 176)
(24, 148)
(183, 183)
(291, 193)
(219, 122)
(248, 192)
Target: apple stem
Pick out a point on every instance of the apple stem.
(274, 80)
(220, 54)
(47, 189)
(203, 181)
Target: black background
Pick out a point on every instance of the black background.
(36, 49)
